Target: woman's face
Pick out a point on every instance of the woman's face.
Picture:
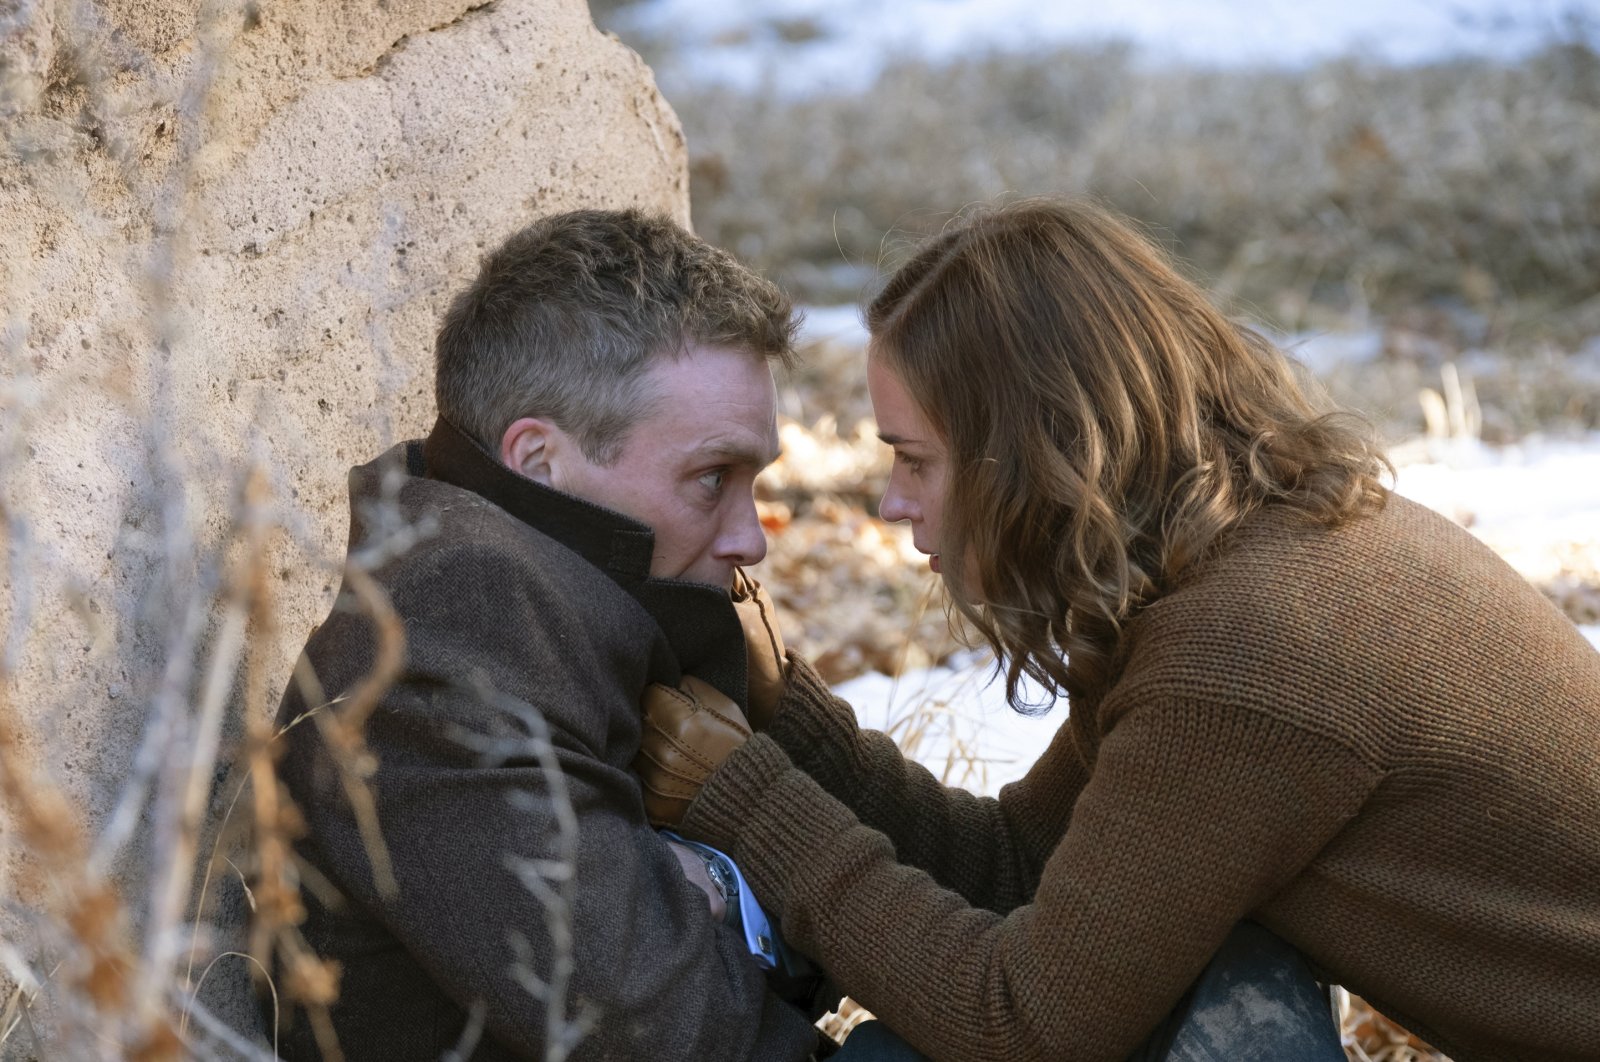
(917, 480)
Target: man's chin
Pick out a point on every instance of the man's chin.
(718, 580)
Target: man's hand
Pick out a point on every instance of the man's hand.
(763, 647)
(694, 868)
(687, 734)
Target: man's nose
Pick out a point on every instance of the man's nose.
(744, 542)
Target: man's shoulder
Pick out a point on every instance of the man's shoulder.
(473, 588)
(405, 521)
(461, 542)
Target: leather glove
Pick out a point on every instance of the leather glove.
(687, 733)
(763, 648)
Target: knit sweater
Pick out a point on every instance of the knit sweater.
(1376, 740)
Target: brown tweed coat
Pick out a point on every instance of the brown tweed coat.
(546, 600)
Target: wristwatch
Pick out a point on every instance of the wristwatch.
(723, 878)
(720, 871)
(742, 912)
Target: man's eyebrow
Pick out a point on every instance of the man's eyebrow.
(735, 452)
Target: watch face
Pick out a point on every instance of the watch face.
(720, 877)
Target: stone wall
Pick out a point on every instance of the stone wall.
(227, 232)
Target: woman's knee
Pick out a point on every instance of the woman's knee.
(1256, 1001)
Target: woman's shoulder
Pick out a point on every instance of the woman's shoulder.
(1343, 612)
(1280, 566)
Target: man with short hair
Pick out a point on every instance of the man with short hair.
(576, 517)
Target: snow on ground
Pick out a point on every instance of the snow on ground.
(1536, 503)
(969, 736)
(804, 44)
(832, 324)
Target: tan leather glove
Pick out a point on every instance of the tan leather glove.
(763, 648)
(688, 732)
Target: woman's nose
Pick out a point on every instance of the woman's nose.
(895, 506)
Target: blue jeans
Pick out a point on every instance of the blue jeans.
(1256, 1001)
(871, 1041)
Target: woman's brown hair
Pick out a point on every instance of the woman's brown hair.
(1106, 426)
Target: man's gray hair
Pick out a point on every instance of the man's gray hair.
(567, 315)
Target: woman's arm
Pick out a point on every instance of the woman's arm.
(1194, 816)
(989, 851)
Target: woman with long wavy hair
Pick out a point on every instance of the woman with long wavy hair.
(1308, 718)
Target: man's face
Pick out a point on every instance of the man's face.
(689, 464)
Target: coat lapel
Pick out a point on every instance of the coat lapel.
(698, 620)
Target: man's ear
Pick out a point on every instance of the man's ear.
(531, 447)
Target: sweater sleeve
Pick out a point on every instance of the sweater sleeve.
(989, 851)
(1193, 816)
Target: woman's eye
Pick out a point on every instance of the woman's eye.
(712, 481)
(913, 463)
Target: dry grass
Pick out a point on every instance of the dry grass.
(113, 970)
(1451, 209)
(1370, 1037)
(1312, 196)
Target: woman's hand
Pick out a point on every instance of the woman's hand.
(688, 732)
(768, 668)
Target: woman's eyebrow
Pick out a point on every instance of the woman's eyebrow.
(896, 440)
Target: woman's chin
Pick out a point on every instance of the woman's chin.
(933, 562)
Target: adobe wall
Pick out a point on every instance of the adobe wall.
(227, 232)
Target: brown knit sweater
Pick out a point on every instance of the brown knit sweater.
(1378, 741)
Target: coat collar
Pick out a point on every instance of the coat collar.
(618, 545)
(698, 620)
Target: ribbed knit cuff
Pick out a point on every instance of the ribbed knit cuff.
(771, 817)
(814, 726)
(723, 806)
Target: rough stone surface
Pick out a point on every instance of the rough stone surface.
(227, 232)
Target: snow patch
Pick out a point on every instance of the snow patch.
(956, 722)
(833, 324)
(805, 45)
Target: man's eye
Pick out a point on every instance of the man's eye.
(712, 481)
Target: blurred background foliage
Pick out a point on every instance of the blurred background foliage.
(1344, 188)
(1461, 192)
